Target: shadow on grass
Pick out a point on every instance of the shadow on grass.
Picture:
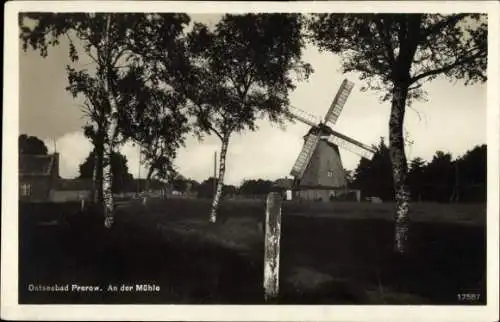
(355, 256)
(444, 259)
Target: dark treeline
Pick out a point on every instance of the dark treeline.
(443, 179)
(206, 188)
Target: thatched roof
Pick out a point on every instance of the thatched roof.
(37, 165)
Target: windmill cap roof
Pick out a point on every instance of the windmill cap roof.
(320, 129)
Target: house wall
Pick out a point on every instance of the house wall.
(40, 188)
(321, 194)
(40, 184)
(70, 195)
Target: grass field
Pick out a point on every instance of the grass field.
(331, 253)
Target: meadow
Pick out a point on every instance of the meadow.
(331, 253)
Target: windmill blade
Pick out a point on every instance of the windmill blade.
(351, 145)
(304, 156)
(339, 102)
(303, 116)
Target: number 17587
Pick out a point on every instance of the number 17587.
(468, 297)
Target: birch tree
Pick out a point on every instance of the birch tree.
(396, 54)
(106, 40)
(94, 129)
(154, 120)
(239, 72)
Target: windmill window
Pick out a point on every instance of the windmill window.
(25, 189)
(330, 173)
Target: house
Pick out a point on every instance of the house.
(291, 190)
(71, 190)
(39, 181)
(38, 174)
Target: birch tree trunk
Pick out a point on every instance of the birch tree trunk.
(220, 181)
(107, 183)
(109, 141)
(399, 167)
(95, 183)
(100, 195)
(98, 167)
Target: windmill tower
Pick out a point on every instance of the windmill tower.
(318, 172)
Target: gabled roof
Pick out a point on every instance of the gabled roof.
(36, 165)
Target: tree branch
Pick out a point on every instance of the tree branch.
(205, 122)
(119, 55)
(415, 87)
(445, 68)
(452, 20)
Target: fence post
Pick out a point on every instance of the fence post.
(272, 245)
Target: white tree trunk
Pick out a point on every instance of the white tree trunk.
(220, 181)
(97, 172)
(107, 183)
(109, 141)
(95, 184)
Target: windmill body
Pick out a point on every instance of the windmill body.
(324, 168)
(318, 172)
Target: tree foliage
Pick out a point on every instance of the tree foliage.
(439, 180)
(385, 49)
(444, 179)
(374, 177)
(416, 178)
(206, 188)
(244, 69)
(154, 120)
(132, 38)
(152, 115)
(31, 145)
(238, 72)
(256, 187)
(122, 179)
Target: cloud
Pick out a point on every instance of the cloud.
(73, 148)
(131, 152)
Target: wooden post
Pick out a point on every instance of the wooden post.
(272, 245)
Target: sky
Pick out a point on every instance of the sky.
(453, 120)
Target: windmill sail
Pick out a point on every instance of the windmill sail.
(351, 145)
(339, 102)
(305, 156)
(303, 116)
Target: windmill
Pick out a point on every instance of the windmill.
(318, 164)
